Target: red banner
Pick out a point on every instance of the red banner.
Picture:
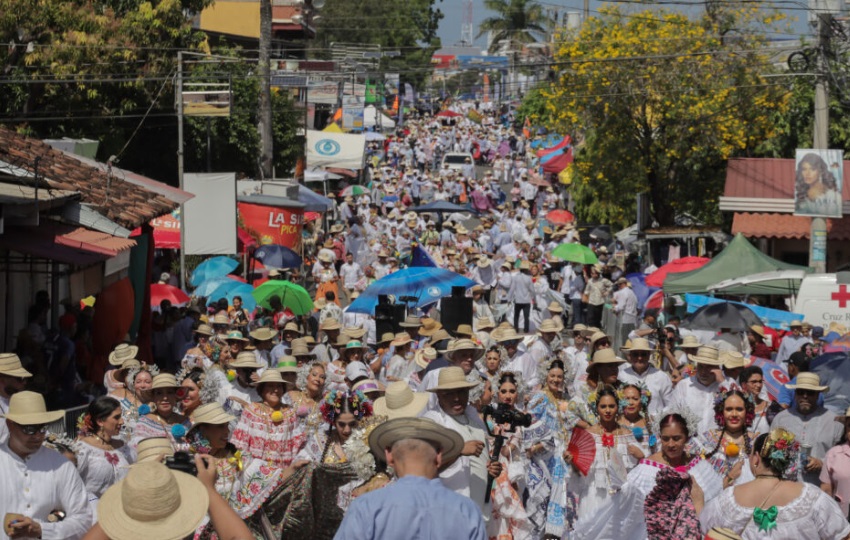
(272, 224)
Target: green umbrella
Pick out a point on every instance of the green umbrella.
(575, 253)
(293, 296)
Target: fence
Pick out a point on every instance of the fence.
(67, 426)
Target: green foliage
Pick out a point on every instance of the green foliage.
(409, 26)
(534, 106)
(520, 21)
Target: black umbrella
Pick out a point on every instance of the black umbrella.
(442, 207)
(736, 317)
(601, 234)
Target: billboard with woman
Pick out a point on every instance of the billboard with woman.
(817, 186)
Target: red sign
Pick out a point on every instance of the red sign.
(842, 296)
(273, 224)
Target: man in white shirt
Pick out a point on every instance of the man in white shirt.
(13, 378)
(640, 370)
(37, 480)
(541, 349)
(792, 342)
(697, 392)
(381, 266)
(242, 387)
(350, 272)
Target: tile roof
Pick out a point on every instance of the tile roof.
(42, 242)
(775, 225)
(119, 200)
(767, 178)
(94, 241)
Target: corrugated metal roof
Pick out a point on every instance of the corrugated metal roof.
(83, 214)
(768, 178)
(774, 225)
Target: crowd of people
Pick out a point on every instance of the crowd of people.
(524, 420)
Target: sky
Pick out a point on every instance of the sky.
(449, 31)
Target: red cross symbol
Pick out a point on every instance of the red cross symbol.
(842, 296)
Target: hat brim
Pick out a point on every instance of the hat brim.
(115, 361)
(453, 386)
(590, 368)
(697, 359)
(477, 353)
(216, 420)
(807, 387)
(194, 502)
(394, 430)
(35, 419)
(244, 365)
(513, 337)
(16, 372)
(428, 333)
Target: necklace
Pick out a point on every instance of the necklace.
(102, 440)
(768, 476)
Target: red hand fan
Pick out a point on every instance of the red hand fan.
(582, 448)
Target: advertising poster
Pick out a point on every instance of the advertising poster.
(272, 224)
(818, 183)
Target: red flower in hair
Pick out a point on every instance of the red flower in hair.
(781, 444)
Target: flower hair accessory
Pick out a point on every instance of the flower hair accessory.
(781, 450)
(494, 386)
(691, 420)
(720, 401)
(645, 395)
(334, 404)
(153, 369)
(357, 448)
(85, 425)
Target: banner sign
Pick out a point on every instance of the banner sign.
(352, 112)
(272, 224)
(818, 183)
(327, 149)
(323, 92)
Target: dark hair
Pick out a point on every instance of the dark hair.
(330, 296)
(195, 376)
(777, 464)
(824, 175)
(748, 372)
(749, 412)
(237, 297)
(674, 419)
(607, 390)
(221, 304)
(508, 376)
(102, 408)
(557, 364)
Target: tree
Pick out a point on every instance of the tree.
(518, 21)
(658, 102)
(406, 26)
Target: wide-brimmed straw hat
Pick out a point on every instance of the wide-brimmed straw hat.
(301, 349)
(287, 364)
(235, 335)
(486, 323)
(131, 364)
(11, 365)
(706, 355)
(758, 330)
(464, 330)
(690, 342)
(429, 326)
(211, 413)
(796, 324)
(390, 432)
(245, 360)
(330, 324)
(204, 330)
(506, 334)
(451, 378)
(548, 325)
(411, 321)
(424, 356)
(153, 448)
(221, 319)
(122, 352)
(263, 334)
(639, 344)
(401, 339)
(555, 307)
(291, 327)
(355, 332)
(604, 356)
(596, 336)
(805, 381)
(28, 409)
(438, 336)
(732, 359)
(271, 376)
(153, 501)
(464, 344)
(164, 380)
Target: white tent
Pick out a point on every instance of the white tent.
(370, 114)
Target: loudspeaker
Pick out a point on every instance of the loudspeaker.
(456, 310)
(387, 317)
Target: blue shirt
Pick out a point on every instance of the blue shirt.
(412, 507)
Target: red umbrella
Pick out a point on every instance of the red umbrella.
(560, 217)
(685, 264)
(448, 114)
(160, 292)
(654, 301)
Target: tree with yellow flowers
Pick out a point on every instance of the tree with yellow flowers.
(658, 101)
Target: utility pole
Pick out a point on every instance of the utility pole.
(180, 168)
(264, 123)
(817, 233)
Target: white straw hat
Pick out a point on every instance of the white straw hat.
(211, 413)
(400, 401)
(152, 448)
(153, 501)
(122, 352)
(451, 378)
(11, 365)
(387, 434)
(805, 381)
(28, 409)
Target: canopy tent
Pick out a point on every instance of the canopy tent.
(319, 175)
(370, 115)
(781, 282)
(740, 258)
(313, 202)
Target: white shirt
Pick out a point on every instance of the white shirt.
(41, 483)
(658, 383)
(248, 395)
(626, 304)
(699, 399)
(525, 364)
(4, 408)
(350, 273)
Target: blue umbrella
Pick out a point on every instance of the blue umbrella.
(425, 284)
(834, 369)
(208, 286)
(390, 198)
(275, 256)
(228, 291)
(213, 268)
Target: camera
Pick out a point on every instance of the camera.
(505, 414)
(183, 462)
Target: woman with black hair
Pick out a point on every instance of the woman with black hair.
(751, 380)
(774, 505)
(728, 448)
(102, 459)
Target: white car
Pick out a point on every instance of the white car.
(457, 161)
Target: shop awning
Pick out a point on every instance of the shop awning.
(62, 243)
(95, 241)
(775, 225)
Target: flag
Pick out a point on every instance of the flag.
(409, 95)
(420, 257)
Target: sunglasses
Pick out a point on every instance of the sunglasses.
(33, 429)
(805, 392)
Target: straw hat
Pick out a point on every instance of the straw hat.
(11, 365)
(287, 364)
(204, 330)
(604, 356)
(353, 344)
(270, 376)
(153, 501)
(383, 253)
(338, 228)
(690, 342)
(411, 321)
(732, 359)
(121, 352)
(429, 326)
(796, 324)
(547, 326)
(153, 448)
(486, 323)
(390, 432)
(844, 416)
(221, 318)
(330, 324)
(579, 328)
(758, 330)
(301, 349)
(354, 332)
(451, 378)
(325, 257)
(246, 360)
(805, 381)
(291, 327)
(424, 356)
(596, 336)
(464, 344)
(706, 355)
(386, 337)
(507, 334)
(28, 409)
(131, 364)
(211, 413)
(555, 307)
(401, 339)
(235, 335)
(464, 330)
(263, 334)
(165, 380)
(640, 344)
(439, 335)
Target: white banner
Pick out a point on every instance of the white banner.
(323, 92)
(326, 149)
(209, 226)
